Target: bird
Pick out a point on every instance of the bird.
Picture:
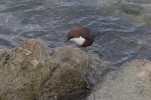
(81, 36)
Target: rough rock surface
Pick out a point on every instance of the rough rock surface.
(33, 71)
(131, 82)
(67, 74)
(3, 56)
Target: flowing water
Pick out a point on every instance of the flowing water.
(126, 24)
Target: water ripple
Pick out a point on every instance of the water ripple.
(126, 24)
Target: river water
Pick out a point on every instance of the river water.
(126, 24)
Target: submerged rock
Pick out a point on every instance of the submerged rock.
(135, 11)
(131, 9)
(32, 71)
(130, 82)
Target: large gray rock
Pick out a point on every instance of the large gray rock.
(131, 82)
(67, 74)
(33, 71)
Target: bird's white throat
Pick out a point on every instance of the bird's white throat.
(78, 41)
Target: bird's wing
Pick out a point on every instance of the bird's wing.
(90, 35)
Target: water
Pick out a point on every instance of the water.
(126, 24)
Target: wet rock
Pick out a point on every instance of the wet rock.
(140, 1)
(135, 11)
(130, 82)
(32, 71)
(3, 56)
(96, 69)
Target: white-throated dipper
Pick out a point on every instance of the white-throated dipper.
(81, 36)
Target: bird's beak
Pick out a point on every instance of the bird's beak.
(66, 41)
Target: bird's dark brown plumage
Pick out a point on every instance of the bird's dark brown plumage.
(85, 33)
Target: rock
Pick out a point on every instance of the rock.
(3, 56)
(32, 71)
(131, 10)
(66, 76)
(129, 82)
(96, 69)
(140, 1)
(19, 79)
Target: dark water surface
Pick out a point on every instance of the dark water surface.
(125, 22)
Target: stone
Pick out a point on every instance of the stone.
(19, 79)
(33, 71)
(130, 82)
(66, 77)
(3, 56)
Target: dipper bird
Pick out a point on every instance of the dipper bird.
(81, 36)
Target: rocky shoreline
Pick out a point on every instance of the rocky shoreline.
(33, 71)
